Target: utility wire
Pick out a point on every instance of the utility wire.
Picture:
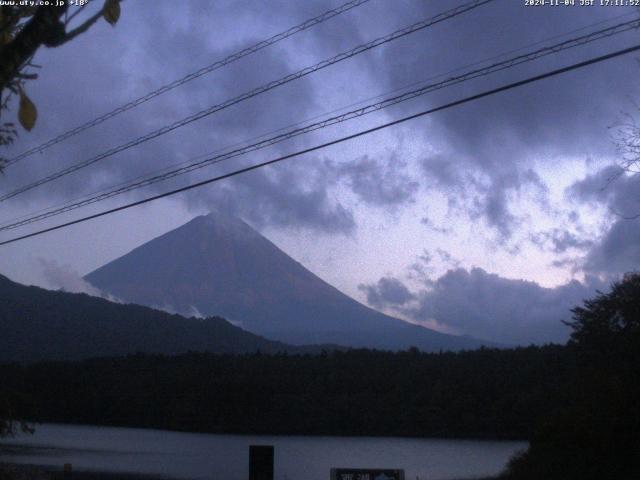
(192, 76)
(115, 189)
(446, 106)
(182, 169)
(302, 122)
(257, 91)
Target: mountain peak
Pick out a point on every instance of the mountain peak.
(219, 265)
(218, 222)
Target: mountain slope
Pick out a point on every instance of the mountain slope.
(38, 324)
(219, 265)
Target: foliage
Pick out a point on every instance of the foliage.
(597, 433)
(22, 472)
(9, 426)
(484, 393)
(610, 321)
(24, 28)
(626, 137)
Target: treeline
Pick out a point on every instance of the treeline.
(485, 393)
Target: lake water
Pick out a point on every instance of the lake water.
(208, 456)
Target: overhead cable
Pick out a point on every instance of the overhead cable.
(257, 91)
(168, 173)
(191, 76)
(234, 173)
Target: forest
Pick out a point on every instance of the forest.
(577, 404)
(483, 393)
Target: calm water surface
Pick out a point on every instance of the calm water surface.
(208, 456)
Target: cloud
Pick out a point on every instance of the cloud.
(285, 197)
(492, 130)
(482, 194)
(559, 240)
(289, 195)
(490, 145)
(190, 312)
(387, 292)
(617, 251)
(427, 222)
(491, 140)
(493, 202)
(487, 306)
(611, 186)
(485, 157)
(63, 277)
(382, 182)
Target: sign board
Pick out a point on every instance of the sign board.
(260, 462)
(366, 474)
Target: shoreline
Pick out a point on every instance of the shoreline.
(159, 428)
(25, 471)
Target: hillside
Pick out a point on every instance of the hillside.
(38, 324)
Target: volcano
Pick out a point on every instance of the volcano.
(217, 264)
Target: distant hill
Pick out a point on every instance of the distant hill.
(219, 265)
(38, 324)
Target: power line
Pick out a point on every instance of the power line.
(262, 89)
(192, 76)
(365, 110)
(446, 106)
(78, 202)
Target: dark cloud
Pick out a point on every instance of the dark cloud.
(494, 200)
(488, 306)
(560, 240)
(612, 187)
(169, 37)
(387, 292)
(482, 156)
(381, 182)
(482, 195)
(285, 195)
(487, 141)
(494, 140)
(447, 173)
(558, 118)
(422, 268)
(618, 250)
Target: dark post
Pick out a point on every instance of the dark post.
(260, 462)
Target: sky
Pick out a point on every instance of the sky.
(490, 219)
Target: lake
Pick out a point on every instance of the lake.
(210, 456)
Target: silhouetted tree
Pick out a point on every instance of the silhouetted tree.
(609, 321)
(596, 434)
(23, 30)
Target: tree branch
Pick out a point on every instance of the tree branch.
(44, 28)
(73, 15)
(82, 28)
